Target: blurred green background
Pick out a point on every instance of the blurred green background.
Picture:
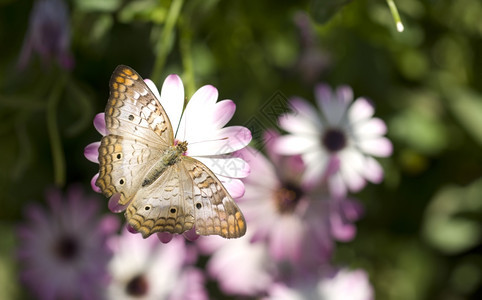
(421, 235)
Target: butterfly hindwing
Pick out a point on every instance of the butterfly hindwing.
(166, 206)
(215, 209)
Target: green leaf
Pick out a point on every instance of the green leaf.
(466, 105)
(95, 5)
(323, 10)
(445, 226)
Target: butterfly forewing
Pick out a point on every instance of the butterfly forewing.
(138, 131)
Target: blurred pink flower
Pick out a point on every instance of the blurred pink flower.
(343, 285)
(63, 251)
(48, 34)
(338, 144)
(282, 211)
(291, 227)
(146, 269)
(201, 125)
(239, 266)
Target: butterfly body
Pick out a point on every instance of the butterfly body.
(141, 163)
(170, 156)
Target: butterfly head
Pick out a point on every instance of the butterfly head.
(181, 147)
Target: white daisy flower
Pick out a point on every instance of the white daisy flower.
(338, 143)
(146, 269)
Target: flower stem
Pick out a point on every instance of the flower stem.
(396, 16)
(185, 47)
(54, 135)
(165, 42)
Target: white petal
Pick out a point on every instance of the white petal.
(316, 163)
(361, 109)
(223, 141)
(294, 144)
(172, 99)
(351, 177)
(333, 106)
(299, 124)
(233, 167)
(302, 108)
(374, 127)
(378, 147)
(197, 119)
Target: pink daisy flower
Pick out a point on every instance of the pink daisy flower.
(344, 135)
(63, 252)
(146, 269)
(201, 125)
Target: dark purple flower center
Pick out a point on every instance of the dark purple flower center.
(334, 139)
(67, 248)
(287, 197)
(137, 286)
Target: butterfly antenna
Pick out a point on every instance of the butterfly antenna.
(182, 115)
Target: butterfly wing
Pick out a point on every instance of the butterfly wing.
(164, 206)
(215, 211)
(187, 194)
(138, 132)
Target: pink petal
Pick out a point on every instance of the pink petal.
(295, 144)
(114, 205)
(164, 237)
(91, 152)
(344, 94)
(191, 234)
(92, 184)
(99, 123)
(337, 186)
(341, 231)
(378, 147)
(131, 229)
(235, 188)
(373, 171)
(361, 109)
(285, 239)
(223, 112)
(172, 99)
